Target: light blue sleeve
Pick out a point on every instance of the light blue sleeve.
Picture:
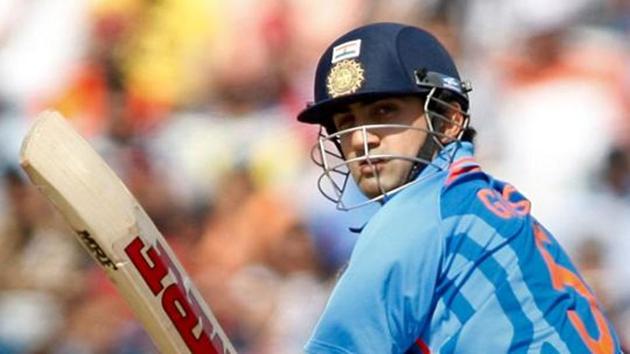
(382, 301)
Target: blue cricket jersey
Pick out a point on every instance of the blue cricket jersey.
(455, 263)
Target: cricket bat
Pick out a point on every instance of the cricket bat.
(118, 234)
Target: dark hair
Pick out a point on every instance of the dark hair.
(469, 133)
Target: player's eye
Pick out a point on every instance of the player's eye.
(384, 109)
(343, 121)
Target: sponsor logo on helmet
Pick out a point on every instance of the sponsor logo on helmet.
(345, 78)
(451, 83)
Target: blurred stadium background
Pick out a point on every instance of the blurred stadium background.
(193, 103)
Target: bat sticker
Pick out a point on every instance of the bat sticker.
(179, 304)
(96, 250)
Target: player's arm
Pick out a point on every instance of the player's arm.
(382, 301)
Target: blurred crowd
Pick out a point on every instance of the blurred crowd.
(193, 103)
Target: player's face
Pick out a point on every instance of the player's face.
(378, 175)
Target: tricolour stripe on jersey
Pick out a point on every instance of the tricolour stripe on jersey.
(424, 348)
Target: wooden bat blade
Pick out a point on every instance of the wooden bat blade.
(116, 231)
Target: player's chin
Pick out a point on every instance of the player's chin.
(373, 187)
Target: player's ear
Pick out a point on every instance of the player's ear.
(455, 123)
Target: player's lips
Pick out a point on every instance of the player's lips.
(371, 165)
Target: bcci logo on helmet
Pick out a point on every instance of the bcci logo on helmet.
(345, 78)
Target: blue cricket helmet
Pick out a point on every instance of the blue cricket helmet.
(381, 59)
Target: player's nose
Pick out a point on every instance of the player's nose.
(363, 140)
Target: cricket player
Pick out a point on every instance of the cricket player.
(453, 261)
